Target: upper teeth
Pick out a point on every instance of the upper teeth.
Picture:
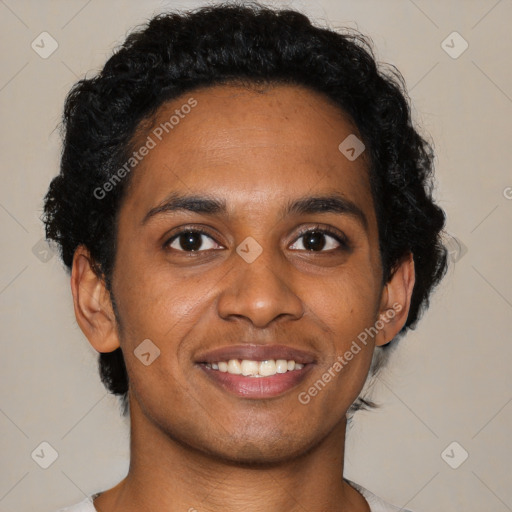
(252, 368)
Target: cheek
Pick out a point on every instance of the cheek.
(153, 301)
(346, 307)
(346, 304)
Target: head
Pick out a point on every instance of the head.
(225, 126)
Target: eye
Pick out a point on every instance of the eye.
(191, 240)
(314, 240)
(311, 240)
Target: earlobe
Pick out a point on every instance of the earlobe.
(91, 300)
(396, 301)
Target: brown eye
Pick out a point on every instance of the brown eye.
(191, 240)
(319, 240)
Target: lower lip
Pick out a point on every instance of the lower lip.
(257, 387)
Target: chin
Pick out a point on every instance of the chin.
(261, 450)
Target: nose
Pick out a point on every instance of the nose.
(260, 292)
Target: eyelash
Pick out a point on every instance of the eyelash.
(340, 238)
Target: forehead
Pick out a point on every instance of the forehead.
(249, 145)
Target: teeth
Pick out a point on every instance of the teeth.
(250, 368)
(234, 367)
(281, 366)
(267, 368)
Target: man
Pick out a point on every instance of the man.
(246, 211)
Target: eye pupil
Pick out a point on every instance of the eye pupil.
(314, 241)
(190, 241)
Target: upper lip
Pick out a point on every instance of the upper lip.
(256, 353)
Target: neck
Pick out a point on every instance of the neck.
(167, 475)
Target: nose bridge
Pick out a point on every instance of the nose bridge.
(259, 287)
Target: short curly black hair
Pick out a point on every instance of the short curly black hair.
(247, 43)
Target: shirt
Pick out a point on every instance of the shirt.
(376, 504)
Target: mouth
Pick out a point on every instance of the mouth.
(252, 368)
(250, 371)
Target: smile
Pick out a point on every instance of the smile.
(252, 368)
(256, 379)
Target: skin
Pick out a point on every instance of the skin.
(194, 446)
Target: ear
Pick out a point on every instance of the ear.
(93, 308)
(396, 301)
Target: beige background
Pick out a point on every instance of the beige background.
(449, 381)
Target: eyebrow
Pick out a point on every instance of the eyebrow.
(207, 205)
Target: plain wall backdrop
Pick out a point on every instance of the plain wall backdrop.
(449, 381)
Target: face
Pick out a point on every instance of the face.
(240, 273)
